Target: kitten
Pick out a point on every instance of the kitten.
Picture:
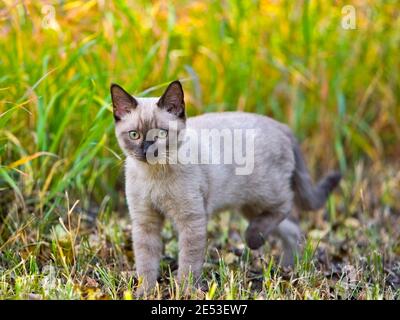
(190, 193)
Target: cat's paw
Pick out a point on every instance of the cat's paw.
(254, 240)
(143, 291)
(140, 293)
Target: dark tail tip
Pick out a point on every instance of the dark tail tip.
(331, 181)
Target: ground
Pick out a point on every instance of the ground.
(351, 251)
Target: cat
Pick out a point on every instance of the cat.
(189, 194)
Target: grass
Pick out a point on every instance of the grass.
(64, 230)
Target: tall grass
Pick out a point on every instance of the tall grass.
(338, 89)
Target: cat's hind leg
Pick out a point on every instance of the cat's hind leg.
(261, 225)
(290, 234)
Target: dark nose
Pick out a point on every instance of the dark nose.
(146, 145)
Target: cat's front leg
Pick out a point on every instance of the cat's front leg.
(192, 233)
(147, 245)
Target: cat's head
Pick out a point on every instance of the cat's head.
(143, 125)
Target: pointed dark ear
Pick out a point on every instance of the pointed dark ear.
(173, 100)
(122, 101)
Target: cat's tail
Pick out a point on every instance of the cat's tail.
(308, 196)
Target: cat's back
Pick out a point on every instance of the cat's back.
(271, 137)
(235, 120)
(268, 158)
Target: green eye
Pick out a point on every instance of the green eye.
(134, 135)
(162, 134)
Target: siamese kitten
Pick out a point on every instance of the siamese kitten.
(189, 193)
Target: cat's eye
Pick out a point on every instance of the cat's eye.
(162, 133)
(134, 135)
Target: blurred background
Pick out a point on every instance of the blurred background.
(329, 69)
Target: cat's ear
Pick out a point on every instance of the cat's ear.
(122, 101)
(173, 100)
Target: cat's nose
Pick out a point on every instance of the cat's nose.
(146, 145)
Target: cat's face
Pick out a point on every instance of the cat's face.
(143, 125)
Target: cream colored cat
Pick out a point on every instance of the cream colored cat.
(190, 193)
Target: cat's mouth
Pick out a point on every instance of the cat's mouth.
(140, 157)
(144, 157)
